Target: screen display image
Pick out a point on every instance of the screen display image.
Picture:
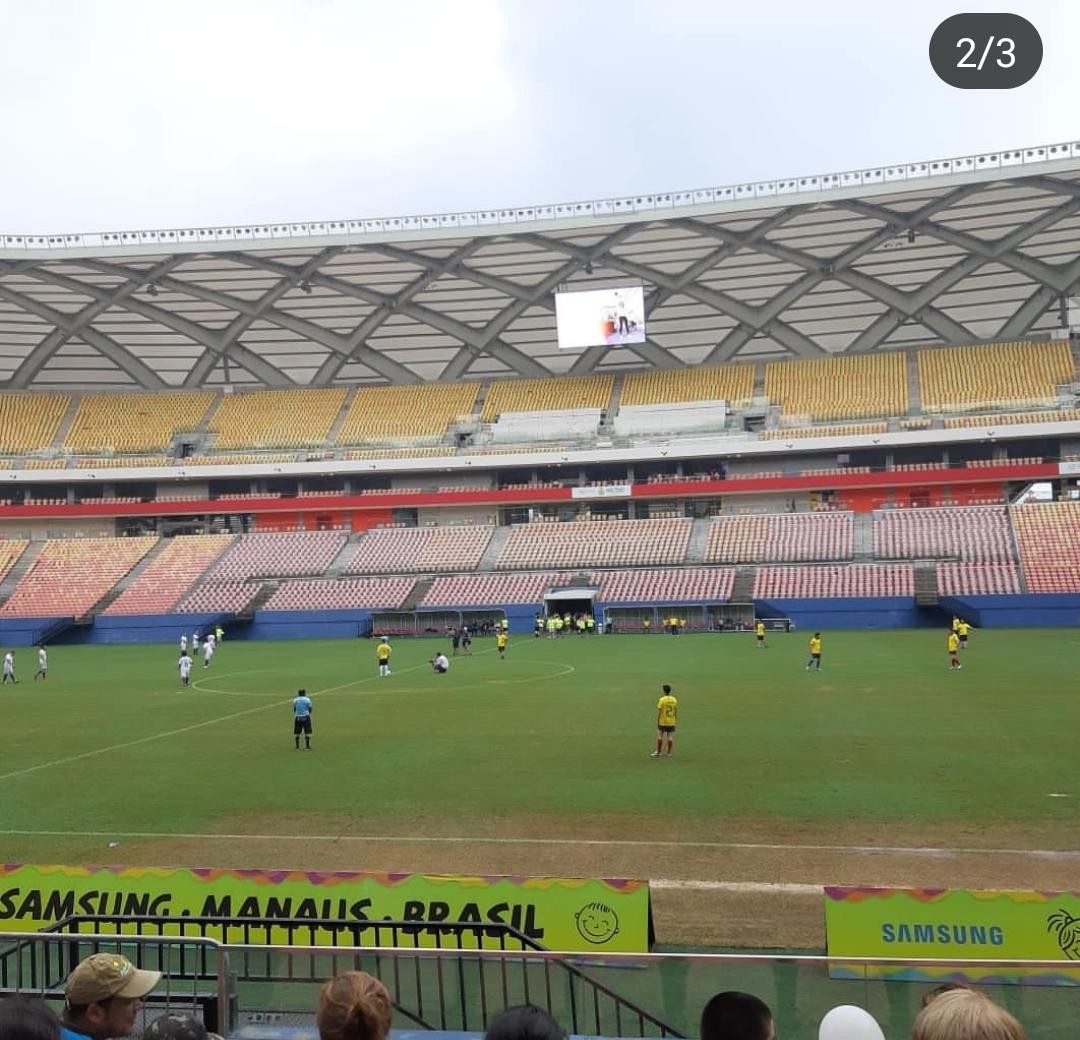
(600, 317)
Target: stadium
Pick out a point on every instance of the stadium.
(841, 404)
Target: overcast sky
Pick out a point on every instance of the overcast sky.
(123, 114)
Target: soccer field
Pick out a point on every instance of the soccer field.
(540, 764)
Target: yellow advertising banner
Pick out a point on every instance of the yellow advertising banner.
(940, 924)
(571, 914)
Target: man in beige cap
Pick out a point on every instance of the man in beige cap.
(103, 996)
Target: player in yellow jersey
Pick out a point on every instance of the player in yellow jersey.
(954, 646)
(667, 715)
(500, 643)
(956, 624)
(382, 654)
(815, 652)
(962, 631)
(759, 632)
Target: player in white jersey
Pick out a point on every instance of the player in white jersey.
(207, 652)
(195, 644)
(183, 643)
(9, 668)
(212, 640)
(42, 665)
(185, 668)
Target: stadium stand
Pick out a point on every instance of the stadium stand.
(999, 375)
(45, 464)
(477, 590)
(978, 579)
(341, 594)
(10, 551)
(170, 574)
(699, 584)
(851, 580)
(389, 412)
(781, 536)
(791, 432)
(960, 532)
(127, 460)
(546, 395)
(419, 549)
(29, 422)
(224, 597)
(610, 543)
(133, 422)
(1048, 539)
(848, 387)
(960, 422)
(731, 383)
(237, 460)
(70, 575)
(299, 418)
(397, 453)
(277, 554)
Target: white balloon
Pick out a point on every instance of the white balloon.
(848, 1022)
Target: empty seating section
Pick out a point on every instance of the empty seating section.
(548, 395)
(609, 543)
(962, 532)
(133, 422)
(225, 597)
(70, 575)
(341, 594)
(388, 412)
(237, 460)
(10, 551)
(170, 574)
(698, 584)
(478, 590)
(419, 549)
(851, 580)
(793, 432)
(731, 383)
(978, 579)
(1048, 537)
(273, 555)
(398, 453)
(847, 387)
(782, 536)
(276, 418)
(1001, 375)
(1012, 418)
(28, 422)
(119, 463)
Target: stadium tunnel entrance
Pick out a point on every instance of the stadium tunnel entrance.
(571, 600)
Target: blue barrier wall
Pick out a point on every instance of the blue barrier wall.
(877, 612)
(1049, 611)
(308, 624)
(143, 628)
(28, 631)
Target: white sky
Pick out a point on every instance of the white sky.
(124, 114)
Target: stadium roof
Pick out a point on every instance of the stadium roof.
(951, 251)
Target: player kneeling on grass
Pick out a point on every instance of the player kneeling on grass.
(440, 663)
(185, 669)
(302, 718)
(667, 714)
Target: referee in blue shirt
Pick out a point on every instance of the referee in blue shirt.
(301, 707)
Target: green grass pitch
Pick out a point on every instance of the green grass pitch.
(884, 740)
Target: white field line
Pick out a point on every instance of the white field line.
(412, 839)
(199, 725)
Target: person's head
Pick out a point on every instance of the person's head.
(301, 693)
(945, 987)
(526, 1022)
(817, 635)
(736, 1016)
(354, 1006)
(104, 994)
(667, 690)
(965, 1014)
(174, 1026)
(27, 1018)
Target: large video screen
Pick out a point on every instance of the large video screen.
(600, 317)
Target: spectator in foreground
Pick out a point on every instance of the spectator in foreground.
(103, 996)
(27, 1018)
(966, 1015)
(526, 1022)
(354, 1006)
(947, 987)
(737, 1016)
(173, 1026)
(848, 1022)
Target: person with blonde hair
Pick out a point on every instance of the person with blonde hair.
(965, 1015)
(354, 1006)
